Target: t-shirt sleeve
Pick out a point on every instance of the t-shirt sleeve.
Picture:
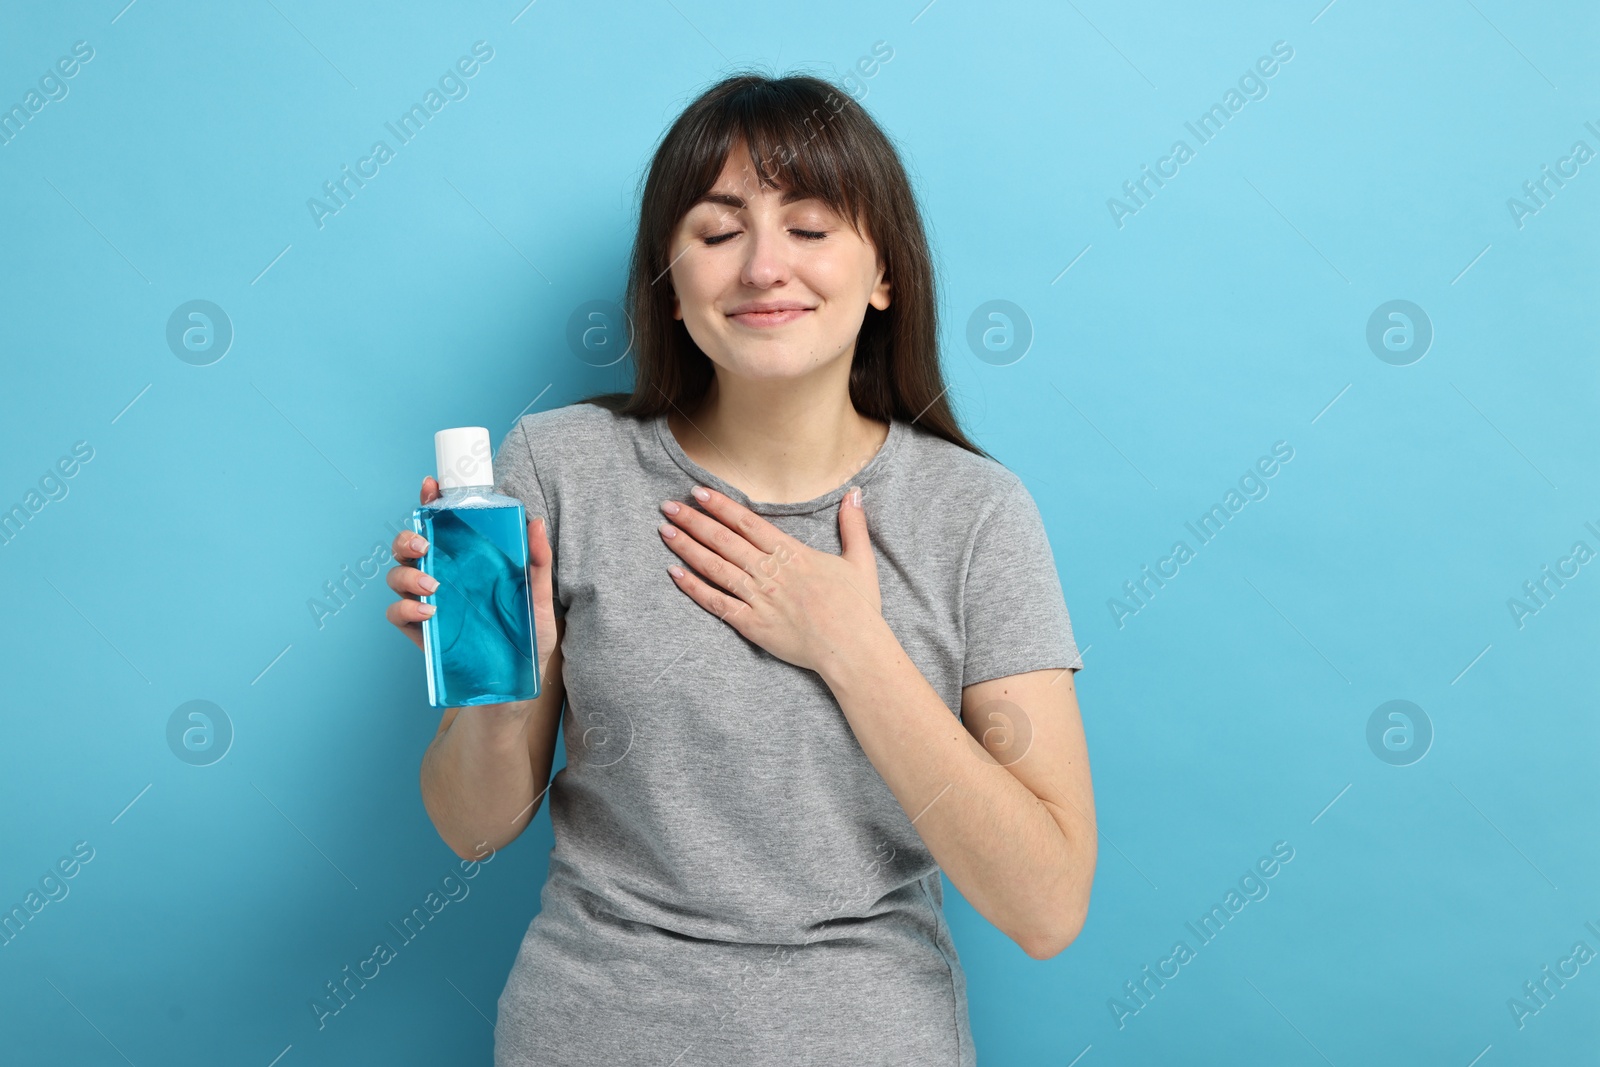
(517, 475)
(1013, 607)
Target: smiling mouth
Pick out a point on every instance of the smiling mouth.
(769, 318)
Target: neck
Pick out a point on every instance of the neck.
(779, 441)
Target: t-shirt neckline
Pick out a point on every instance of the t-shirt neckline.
(897, 431)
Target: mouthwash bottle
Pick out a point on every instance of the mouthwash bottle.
(478, 644)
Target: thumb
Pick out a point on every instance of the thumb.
(539, 552)
(541, 564)
(855, 544)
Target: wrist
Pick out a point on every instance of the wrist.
(495, 725)
(845, 662)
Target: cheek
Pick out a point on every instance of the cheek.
(697, 283)
(694, 283)
(840, 278)
(844, 270)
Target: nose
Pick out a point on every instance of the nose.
(767, 256)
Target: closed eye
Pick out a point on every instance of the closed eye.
(810, 235)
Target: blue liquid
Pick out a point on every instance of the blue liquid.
(479, 643)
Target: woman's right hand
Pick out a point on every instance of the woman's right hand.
(408, 580)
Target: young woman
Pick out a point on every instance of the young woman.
(767, 582)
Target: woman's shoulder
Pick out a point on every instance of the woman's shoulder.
(581, 417)
(562, 437)
(946, 470)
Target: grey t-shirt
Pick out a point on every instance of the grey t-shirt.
(732, 882)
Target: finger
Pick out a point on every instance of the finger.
(414, 632)
(539, 552)
(855, 541)
(408, 610)
(408, 615)
(408, 545)
(729, 609)
(710, 532)
(541, 569)
(719, 570)
(740, 520)
(410, 581)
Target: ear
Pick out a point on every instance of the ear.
(880, 288)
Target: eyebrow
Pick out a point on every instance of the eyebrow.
(731, 200)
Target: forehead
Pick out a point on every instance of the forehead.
(741, 181)
(776, 180)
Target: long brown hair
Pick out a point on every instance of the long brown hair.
(805, 133)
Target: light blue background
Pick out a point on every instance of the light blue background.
(1228, 314)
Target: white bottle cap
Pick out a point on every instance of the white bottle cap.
(464, 457)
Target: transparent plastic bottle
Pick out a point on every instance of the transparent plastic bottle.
(479, 643)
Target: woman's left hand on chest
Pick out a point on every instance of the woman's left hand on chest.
(801, 604)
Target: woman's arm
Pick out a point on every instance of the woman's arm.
(1014, 831)
(1005, 804)
(486, 771)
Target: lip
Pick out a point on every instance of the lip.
(768, 319)
(767, 313)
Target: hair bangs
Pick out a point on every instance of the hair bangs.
(791, 143)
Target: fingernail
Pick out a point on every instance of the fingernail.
(700, 494)
(668, 530)
(429, 584)
(855, 497)
(670, 507)
(418, 544)
(428, 609)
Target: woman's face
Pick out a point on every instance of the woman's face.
(770, 289)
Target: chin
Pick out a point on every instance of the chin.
(771, 365)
